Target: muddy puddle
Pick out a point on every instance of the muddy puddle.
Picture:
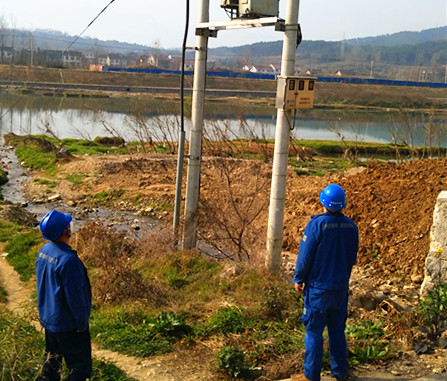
(12, 191)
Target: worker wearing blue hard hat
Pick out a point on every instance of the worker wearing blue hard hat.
(64, 301)
(327, 253)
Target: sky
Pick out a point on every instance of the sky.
(162, 23)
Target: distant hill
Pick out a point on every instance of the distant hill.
(54, 40)
(403, 38)
(396, 39)
(48, 39)
(404, 48)
(428, 47)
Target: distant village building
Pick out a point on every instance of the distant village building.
(267, 69)
(52, 57)
(276, 69)
(189, 65)
(91, 56)
(6, 54)
(73, 58)
(112, 60)
(263, 69)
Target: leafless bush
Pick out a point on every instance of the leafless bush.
(239, 196)
(347, 151)
(434, 132)
(110, 128)
(219, 139)
(163, 130)
(257, 138)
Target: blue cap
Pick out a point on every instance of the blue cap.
(333, 197)
(54, 223)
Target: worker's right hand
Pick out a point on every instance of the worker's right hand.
(299, 287)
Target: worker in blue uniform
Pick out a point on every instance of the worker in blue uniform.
(64, 301)
(327, 253)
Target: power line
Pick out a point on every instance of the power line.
(91, 22)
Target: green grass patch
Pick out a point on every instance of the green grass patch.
(227, 320)
(22, 249)
(322, 167)
(8, 230)
(49, 183)
(109, 195)
(87, 147)
(136, 333)
(76, 178)
(43, 159)
(21, 348)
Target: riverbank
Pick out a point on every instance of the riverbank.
(77, 82)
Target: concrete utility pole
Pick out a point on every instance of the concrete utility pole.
(195, 139)
(281, 154)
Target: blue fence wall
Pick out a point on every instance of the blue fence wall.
(228, 74)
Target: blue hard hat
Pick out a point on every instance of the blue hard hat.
(333, 197)
(54, 223)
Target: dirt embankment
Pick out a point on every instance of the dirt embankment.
(392, 204)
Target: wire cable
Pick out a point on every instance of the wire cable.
(88, 26)
(181, 141)
(182, 70)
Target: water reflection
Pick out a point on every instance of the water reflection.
(131, 119)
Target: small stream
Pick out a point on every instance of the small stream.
(120, 220)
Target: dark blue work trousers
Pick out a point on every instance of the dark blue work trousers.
(325, 308)
(75, 348)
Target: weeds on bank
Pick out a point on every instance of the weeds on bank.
(433, 309)
(21, 348)
(8, 230)
(368, 343)
(22, 353)
(109, 195)
(3, 295)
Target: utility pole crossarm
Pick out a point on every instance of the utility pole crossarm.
(243, 23)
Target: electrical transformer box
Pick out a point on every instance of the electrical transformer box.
(258, 8)
(295, 92)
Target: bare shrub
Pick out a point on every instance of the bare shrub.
(350, 153)
(108, 254)
(221, 138)
(239, 197)
(163, 130)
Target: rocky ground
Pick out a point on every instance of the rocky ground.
(392, 205)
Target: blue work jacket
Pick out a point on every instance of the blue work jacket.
(328, 251)
(64, 294)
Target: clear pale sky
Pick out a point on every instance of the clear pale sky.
(162, 22)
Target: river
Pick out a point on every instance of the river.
(158, 119)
